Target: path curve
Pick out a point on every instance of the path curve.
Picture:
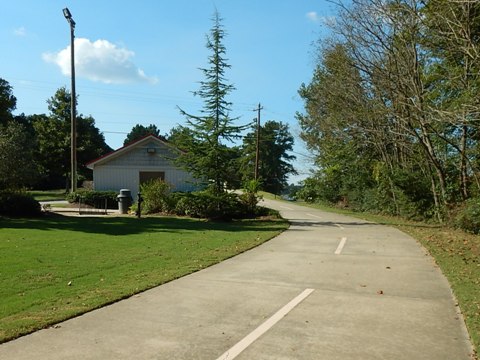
(331, 287)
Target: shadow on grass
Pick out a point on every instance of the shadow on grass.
(306, 223)
(309, 223)
(128, 226)
(372, 219)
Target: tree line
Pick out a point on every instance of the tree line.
(392, 110)
(35, 149)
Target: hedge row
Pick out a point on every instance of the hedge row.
(201, 204)
(225, 206)
(94, 198)
(18, 203)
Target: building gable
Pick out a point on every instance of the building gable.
(147, 154)
(157, 150)
(147, 158)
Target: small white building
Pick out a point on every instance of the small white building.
(144, 159)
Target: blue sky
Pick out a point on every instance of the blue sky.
(137, 61)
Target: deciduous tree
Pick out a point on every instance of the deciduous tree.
(8, 102)
(139, 131)
(53, 138)
(275, 161)
(17, 168)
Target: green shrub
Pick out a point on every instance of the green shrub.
(204, 204)
(228, 206)
(196, 204)
(469, 216)
(318, 189)
(250, 198)
(94, 198)
(264, 211)
(191, 204)
(18, 203)
(156, 197)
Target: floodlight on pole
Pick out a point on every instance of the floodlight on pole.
(73, 113)
(68, 16)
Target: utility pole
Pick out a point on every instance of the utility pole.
(73, 113)
(257, 149)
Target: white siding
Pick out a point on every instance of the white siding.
(115, 178)
(123, 172)
(139, 157)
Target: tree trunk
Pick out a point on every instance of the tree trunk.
(463, 164)
(438, 209)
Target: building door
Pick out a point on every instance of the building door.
(151, 175)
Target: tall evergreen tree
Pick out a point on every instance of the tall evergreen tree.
(206, 154)
(274, 159)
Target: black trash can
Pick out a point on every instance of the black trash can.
(124, 200)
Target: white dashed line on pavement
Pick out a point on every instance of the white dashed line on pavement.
(234, 351)
(340, 246)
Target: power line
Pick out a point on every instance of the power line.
(88, 90)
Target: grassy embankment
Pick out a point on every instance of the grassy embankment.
(56, 267)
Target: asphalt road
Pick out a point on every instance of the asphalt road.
(331, 287)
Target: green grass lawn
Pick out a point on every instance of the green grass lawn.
(48, 195)
(269, 196)
(456, 252)
(56, 267)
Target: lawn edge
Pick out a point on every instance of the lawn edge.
(51, 324)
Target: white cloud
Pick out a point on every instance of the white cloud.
(100, 61)
(21, 31)
(312, 16)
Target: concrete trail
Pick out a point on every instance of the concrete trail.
(331, 287)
